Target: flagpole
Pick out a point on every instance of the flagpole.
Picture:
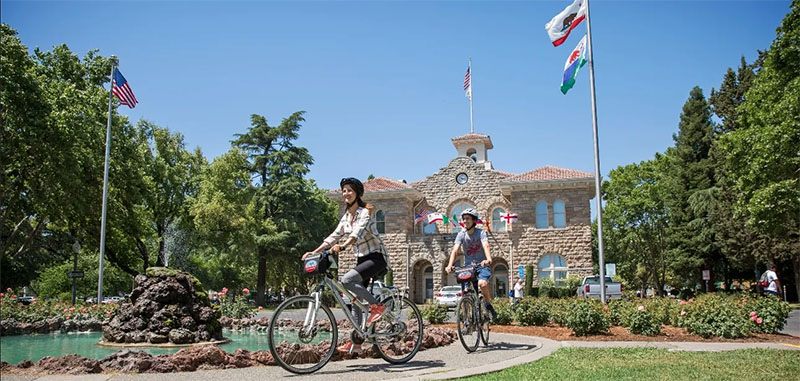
(471, 125)
(598, 195)
(114, 63)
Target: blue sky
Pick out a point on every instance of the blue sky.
(382, 81)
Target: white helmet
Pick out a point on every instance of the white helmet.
(471, 212)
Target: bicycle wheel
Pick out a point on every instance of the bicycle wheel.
(467, 324)
(485, 318)
(403, 334)
(298, 342)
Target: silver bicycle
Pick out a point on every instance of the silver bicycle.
(303, 333)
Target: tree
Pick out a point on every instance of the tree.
(763, 154)
(691, 237)
(281, 195)
(636, 220)
(170, 169)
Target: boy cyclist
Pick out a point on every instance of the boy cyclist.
(475, 244)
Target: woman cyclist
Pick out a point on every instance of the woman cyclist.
(372, 258)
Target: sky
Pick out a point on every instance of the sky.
(382, 81)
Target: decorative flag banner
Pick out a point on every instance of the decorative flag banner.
(468, 84)
(456, 221)
(509, 217)
(421, 216)
(575, 61)
(433, 217)
(120, 88)
(559, 27)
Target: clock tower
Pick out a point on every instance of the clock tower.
(474, 146)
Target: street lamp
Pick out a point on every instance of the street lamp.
(76, 248)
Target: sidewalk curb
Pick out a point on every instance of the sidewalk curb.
(544, 348)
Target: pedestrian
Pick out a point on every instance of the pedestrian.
(774, 286)
(518, 290)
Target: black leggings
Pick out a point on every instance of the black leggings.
(357, 279)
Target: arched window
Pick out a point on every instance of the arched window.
(541, 215)
(472, 154)
(554, 267)
(559, 215)
(380, 221)
(428, 228)
(498, 223)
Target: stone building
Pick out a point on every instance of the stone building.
(552, 233)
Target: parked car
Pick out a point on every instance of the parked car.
(590, 288)
(448, 295)
(26, 299)
(112, 299)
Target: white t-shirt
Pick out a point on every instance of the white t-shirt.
(771, 278)
(518, 290)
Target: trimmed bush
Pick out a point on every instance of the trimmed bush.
(559, 310)
(716, 315)
(643, 321)
(770, 309)
(434, 312)
(505, 311)
(618, 311)
(586, 317)
(531, 311)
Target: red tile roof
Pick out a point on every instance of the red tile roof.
(548, 172)
(383, 184)
(473, 137)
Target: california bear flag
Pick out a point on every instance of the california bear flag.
(575, 61)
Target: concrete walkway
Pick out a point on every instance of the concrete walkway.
(452, 361)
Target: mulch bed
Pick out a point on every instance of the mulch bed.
(554, 331)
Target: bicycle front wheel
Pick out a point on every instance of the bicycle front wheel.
(302, 340)
(399, 338)
(467, 323)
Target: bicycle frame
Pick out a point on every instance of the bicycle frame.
(311, 313)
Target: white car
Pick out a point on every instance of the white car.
(449, 295)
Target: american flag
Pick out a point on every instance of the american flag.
(468, 84)
(120, 88)
(421, 216)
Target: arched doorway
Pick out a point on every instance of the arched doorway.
(422, 286)
(499, 280)
(450, 279)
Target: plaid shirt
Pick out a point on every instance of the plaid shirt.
(363, 229)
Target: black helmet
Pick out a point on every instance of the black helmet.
(355, 184)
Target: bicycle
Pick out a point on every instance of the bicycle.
(472, 317)
(301, 340)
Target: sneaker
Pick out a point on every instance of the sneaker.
(350, 348)
(491, 310)
(375, 312)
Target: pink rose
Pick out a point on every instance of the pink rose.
(753, 318)
(13, 296)
(8, 289)
(260, 308)
(69, 317)
(640, 308)
(752, 313)
(83, 310)
(683, 302)
(2, 294)
(108, 313)
(744, 300)
(683, 313)
(65, 310)
(72, 309)
(246, 291)
(224, 290)
(759, 321)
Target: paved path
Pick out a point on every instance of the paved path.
(447, 362)
(792, 326)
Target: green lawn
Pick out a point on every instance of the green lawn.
(656, 364)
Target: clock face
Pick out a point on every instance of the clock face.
(462, 178)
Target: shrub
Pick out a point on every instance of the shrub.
(434, 312)
(666, 310)
(238, 309)
(716, 315)
(559, 310)
(586, 317)
(618, 311)
(532, 311)
(505, 311)
(547, 287)
(46, 309)
(643, 321)
(771, 310)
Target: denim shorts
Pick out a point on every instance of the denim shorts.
(484, 273)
